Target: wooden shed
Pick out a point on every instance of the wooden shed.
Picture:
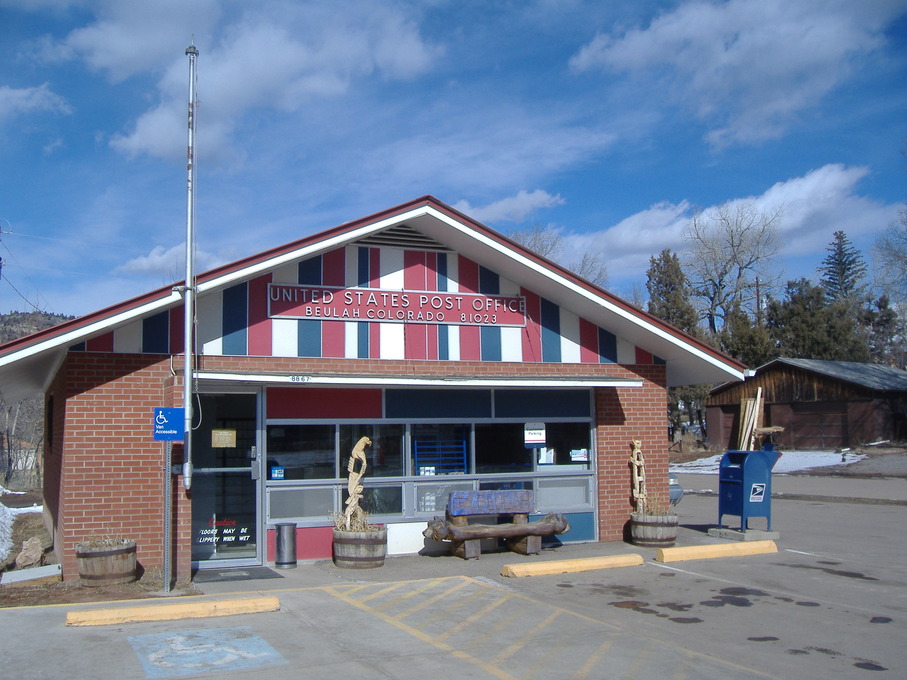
(820, 404)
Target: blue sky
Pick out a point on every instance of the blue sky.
(609, 121)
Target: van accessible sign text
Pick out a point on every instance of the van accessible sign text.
(395, 306)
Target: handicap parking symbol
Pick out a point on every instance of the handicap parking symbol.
(217, 650)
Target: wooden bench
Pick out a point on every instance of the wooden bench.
(522, 536)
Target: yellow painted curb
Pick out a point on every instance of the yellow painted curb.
(167, 612)
(571, 566)
(699, 552)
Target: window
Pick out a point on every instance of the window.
(567, 444)
(440, 449)
(384, 456)
(301, 452)
(500, 448)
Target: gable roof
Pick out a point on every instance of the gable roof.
(29, 363)
(872, 376)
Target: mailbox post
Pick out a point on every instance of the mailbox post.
(745, 485)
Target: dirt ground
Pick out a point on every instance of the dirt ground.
(880, 461)
(53, 590)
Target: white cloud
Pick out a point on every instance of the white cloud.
(128, 38)
(167, 264)
(747, 68)
(513, 208)
(280, 56)
(19, 101)
(627, 246)
(814, 206)
(482, 152)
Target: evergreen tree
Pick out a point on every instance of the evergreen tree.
(843, 271)
(885, 332)
(670, 292)
(745, 341)
(669, 300)
(807, 325)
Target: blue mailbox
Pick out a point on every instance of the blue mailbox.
(745, 485)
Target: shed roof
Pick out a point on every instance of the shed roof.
(873, 376)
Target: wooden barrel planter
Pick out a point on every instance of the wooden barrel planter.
(360, 549)
(653, 531)
(107, 562)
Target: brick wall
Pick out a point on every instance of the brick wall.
(623, 415)
(105, 473)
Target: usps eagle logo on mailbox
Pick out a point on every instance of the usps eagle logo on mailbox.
(757, 493)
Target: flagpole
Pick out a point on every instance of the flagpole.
(189, 294)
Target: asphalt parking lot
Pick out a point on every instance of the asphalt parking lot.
(830, 603)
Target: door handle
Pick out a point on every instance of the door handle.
(254, 467)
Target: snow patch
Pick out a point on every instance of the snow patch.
(7, 517)
(790, 461)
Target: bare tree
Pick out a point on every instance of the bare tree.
(21, 438)
(547, 242)
(541, 239)
(729, 258)
(592, 267)
(891, 256)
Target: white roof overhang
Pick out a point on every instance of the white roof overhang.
(30, 368)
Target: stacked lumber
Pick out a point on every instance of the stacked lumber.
(750, 420)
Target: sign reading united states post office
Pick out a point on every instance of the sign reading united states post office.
(394, 306)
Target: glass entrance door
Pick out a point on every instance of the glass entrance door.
(225, 489)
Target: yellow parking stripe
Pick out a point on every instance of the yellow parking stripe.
(526, 639)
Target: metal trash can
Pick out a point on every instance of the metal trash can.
(745, 485)
(286, 546)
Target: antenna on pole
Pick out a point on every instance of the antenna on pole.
(189, 294)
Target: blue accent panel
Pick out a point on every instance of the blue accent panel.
(362, 271)
(489, 282)
(362, 340)
(308, 331)
(308, 338)
(156, 334)
(309, 272)
(419, 403)
(236, 304)
(607, 347)
(658, 360)
(443, 281)
(541, 403)
(491, 344)
(582, 528)
(443, 342)
(551, 331)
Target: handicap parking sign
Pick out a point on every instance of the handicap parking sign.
(169, 424)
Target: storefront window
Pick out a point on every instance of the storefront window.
(301, 452)
(566, 444)
(500, 447)
(440, 449)
(384, 456)
(379, 500)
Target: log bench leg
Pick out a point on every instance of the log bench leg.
(525, 545)
(468, 550)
